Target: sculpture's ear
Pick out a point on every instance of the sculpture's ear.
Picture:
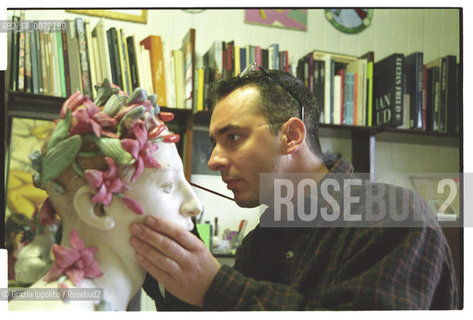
(86, 210)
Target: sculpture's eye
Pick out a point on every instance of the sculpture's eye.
(168, 187)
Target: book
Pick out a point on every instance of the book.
(433, 98)
(213, 61)
(122, 62)
(242, 59)
(114, 57)
(415, 74)
(133, 64)
(369, 56)
(188, 50)
(237, 66)
(103, 48)
(348, 98)
(84, 63)
(359, 66)
(200, 89)
(35, 71)
(179, 77)
(60, 55)
(258, 56)
(73, 57)
(388, 91)
(337, 84)
(44, 65)
(139, 62)
(98, 61)
(449, 95)
(146, 60)
(154, 45)
(14, 55)
(21, 55)
(273, 56)
(169, 75)
(49, 63)
(264, 59)
(424, 97)
(28, 78)
(65, 54)
(126, 62)
(90, 57)
(56, 77)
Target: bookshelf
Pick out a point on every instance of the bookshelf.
(364, 140)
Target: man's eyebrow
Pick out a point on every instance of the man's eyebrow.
(225, 129)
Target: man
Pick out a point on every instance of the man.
(266, 122)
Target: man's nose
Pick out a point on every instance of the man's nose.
(218, 160)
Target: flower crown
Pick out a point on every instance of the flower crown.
(124, 128)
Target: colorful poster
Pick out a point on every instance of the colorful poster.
(27, 135)
(282, 18)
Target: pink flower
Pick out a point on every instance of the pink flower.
(141, 149)
(88, 118)
(71, 103)
(76, 263)
(105, 183)
(47, 214)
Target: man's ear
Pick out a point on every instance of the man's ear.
(292, 135)
(86, 210)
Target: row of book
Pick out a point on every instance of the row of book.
(227, 59)
(76, 57)
(398, 91)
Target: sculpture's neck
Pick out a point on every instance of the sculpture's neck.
(122, 276)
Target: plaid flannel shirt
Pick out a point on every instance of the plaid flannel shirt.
(338, 268)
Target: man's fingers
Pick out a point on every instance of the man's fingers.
(160, 242)
(174, 231)
(154, 257)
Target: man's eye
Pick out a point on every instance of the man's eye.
(233, 137)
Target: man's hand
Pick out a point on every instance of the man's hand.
(174, 257)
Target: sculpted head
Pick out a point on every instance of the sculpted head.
(110, 162)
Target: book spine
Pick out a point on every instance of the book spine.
(39, 76)
(28, 78)
(65, 55)
(90, 56)
(21, 56)
(52, 63)
(73, 57)
(424, 97)
(55, 64)
(397, 103)
(60, 54)
(98, 61)
(443, 95)
(44, 67)
(116, 59)
(155, 47)
(132, 63)
(348, 99)
(34, 63)
(49, 64)
(14, 56)
(84, 64)
(258, 57)
(242, 59)
(112, 56)
(451, 96)
(125, 61)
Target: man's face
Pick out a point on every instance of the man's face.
(244, 146)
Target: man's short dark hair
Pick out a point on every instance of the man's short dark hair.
(276, 103)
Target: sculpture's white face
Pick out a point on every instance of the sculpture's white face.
(162, 192)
